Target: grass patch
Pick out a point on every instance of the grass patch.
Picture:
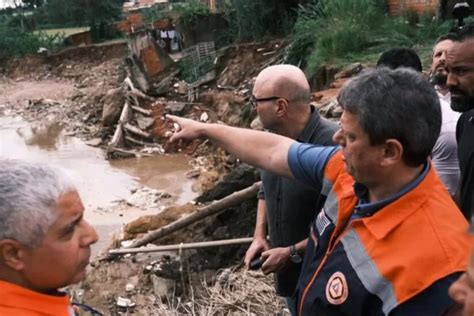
(62, 31)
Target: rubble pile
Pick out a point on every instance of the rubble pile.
(76, 91)
(326, 101)
(155, 284)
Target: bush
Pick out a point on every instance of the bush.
(342, 26)
(14, 42)
(191, 12)
(329, 31)
(255, 19)
(152, 14)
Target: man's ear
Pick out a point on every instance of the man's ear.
(282, 107)
(392, 152)
(12, 254)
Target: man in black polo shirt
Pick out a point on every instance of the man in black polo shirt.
(281, 97)
(460, 65)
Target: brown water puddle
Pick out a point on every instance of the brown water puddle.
(100, 182)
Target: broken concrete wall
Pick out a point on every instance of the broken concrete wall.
(155, 60)
(148, 62)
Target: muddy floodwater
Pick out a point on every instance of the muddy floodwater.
(100, 182)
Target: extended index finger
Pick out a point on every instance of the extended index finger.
(174, 118)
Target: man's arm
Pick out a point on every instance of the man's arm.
(259, 243)
(275, 259)
(261, 149)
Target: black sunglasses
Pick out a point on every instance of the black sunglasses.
(253, 100)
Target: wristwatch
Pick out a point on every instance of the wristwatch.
(294, 255)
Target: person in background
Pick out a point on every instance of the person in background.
(438, 72)
(444, 155)
(445, 151)
(460, 65)
(400, 57)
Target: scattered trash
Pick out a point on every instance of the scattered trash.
(204, 117)
(124, 302)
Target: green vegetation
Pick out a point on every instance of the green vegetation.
(152, 14)
(15, 42)
(191, 12)
(321, 31)
(342, 31)
(256, 19)
(97, 15)
(25, 28)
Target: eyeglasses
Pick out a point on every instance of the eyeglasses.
(254, 101)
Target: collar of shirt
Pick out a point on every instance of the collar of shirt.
(446, 97)
(366, 209)
(310, 127)
(17, 297)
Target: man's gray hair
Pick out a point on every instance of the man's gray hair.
(398, 104)
(29, 193)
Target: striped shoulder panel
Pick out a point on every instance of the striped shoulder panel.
(368, 272)
(337, 185)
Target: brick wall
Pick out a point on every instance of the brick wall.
(397, 7)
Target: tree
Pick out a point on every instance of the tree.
(82, 12)
(19, 7)
(33, 4)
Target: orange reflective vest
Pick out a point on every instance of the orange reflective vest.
(18, 301)
(371, 265)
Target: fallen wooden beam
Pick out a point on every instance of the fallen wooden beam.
(135, 130)
(125, 151)
(139, 142)
(124, 118)
(136, 91)
(182, 246)
(141, 110)
(201, 213)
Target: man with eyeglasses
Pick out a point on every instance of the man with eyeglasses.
(281, 97)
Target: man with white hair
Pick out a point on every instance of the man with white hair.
(44, 239)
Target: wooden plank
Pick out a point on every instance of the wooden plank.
(135, 130)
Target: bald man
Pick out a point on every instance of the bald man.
(281, 96)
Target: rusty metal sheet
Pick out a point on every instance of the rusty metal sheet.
(151, 60)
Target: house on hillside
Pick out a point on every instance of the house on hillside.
(440, 8)
(133, 5)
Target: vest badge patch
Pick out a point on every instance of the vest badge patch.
(337, 289)
(322, 222)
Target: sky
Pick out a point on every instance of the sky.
(5, 3)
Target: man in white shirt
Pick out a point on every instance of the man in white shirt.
(444, 156)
